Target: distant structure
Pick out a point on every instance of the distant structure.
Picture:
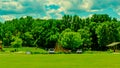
(113, 46)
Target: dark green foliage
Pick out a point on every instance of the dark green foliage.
(71, 31)
(86, 37)
(107, 33)
(45, 33)
(99, 18)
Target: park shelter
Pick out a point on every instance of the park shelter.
(113, 45)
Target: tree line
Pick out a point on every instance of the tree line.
(70, 32)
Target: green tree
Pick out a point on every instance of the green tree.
(114, 19)
(86, 37)
(45, 33)
(7, 38)
(99, 18)
(107, 33)
(66, 21)
(17, 42)
(27, 37)
(92, 26)
(70, 40)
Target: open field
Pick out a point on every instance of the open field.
(60, 61)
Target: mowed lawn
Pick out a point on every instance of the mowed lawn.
(60, 61)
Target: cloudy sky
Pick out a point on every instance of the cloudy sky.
(10, 9)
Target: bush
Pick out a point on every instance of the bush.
(59, 53)
(36, 53)
(39, 52)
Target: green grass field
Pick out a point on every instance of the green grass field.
(60, 61)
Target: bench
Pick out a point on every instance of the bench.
(51, 51)
(79, 51)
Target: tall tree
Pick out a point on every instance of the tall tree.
(99, 18)
(86, 37)
(107, 33)
(70, 40)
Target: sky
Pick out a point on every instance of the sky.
(47, 9)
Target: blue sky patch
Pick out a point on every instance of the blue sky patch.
(52, 7)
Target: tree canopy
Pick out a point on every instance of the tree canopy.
(71, 32)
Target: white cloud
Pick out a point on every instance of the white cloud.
(117, 10)
(64, 4)
(7, 17)
(91, 10)
(55, 12)
(89, 16)
(59, 16)
(86, 4)
(11, 5)
(47, 17)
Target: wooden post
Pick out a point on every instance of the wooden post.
(114, 48)
(1, 47)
